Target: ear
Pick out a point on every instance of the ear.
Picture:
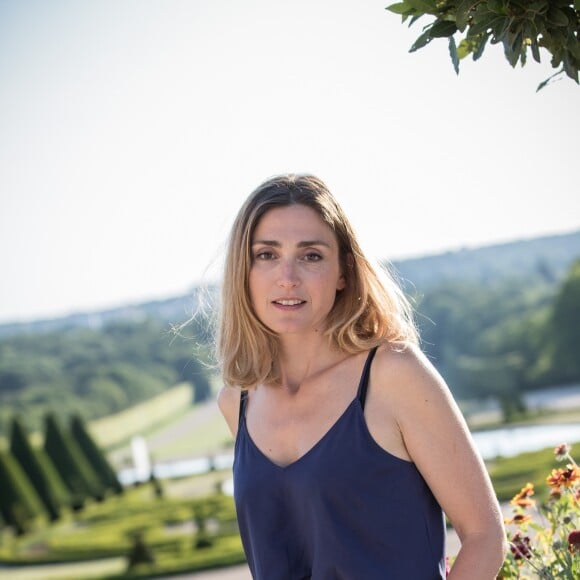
(349, 263)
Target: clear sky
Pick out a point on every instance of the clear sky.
(131, 131)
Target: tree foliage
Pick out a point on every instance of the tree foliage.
(94, 372)
(71, 463)
(564, 328)
(39, 470)
(502, 340)
(95, 455)
(518, 25)
(19, 504)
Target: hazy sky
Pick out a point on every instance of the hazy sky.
(132, 130)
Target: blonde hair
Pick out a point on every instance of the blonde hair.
(369, 311)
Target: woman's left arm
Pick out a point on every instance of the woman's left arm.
(438, 441)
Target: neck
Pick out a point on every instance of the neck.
(302, 359)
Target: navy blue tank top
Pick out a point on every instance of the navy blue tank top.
(346, 510)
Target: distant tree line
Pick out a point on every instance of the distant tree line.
(504, 338)
(96, 372)
(41, 483)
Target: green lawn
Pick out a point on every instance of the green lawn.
(208, 437)
(142, 418)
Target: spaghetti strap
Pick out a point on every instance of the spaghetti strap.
(364, 381)
(243, 400)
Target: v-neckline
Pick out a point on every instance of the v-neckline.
(353, 404)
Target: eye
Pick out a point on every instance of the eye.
(313, 257)
(264, 255)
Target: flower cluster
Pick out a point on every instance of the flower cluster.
(544, 538)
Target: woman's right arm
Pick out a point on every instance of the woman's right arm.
(228, 400)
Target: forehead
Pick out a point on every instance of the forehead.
(293, 222)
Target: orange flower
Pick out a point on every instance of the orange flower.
(564, 477)
(521, 499)
(562, 451)
(519, 519)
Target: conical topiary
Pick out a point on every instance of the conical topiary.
(94, 455)
(74, 469)
(19, 503)
(40, 472)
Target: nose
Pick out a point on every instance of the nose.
(288, 275)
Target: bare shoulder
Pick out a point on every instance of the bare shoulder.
(409, 387)
(228, 401)
(405, 369)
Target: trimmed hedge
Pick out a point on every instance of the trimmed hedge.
(39, 470)
(71, 464)
(19, 503)
(94, 455)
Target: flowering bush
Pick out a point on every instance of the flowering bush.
(544, 538)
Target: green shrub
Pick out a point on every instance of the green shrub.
(94, 455)
(39, 470)
(74, 469)
(19, 503)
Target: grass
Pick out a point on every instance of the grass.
(510, 474)
(117, 429)
(76, 571)
(225, 551)
(208, 437)
(107, 530)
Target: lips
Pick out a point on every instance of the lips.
(289, 302)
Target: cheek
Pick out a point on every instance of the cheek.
(254, 286)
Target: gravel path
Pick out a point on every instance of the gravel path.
(193, 419)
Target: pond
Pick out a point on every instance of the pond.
(510, 441)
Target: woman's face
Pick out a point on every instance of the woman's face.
(295, 271)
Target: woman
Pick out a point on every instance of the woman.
(349, 446)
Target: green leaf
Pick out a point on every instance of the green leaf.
(463, 49)
(577, 5)
(443, 28)
(557, 17)
(548, 80)
(569, 67)
(573, 45)
(477, 52)
(484, 24)
(496, 6)
(535, 50)
(463, 12)
(428, 6)
(513, 47)
(453, 54)
(399, 8)
(538, 7)
(421, 41)
(517, 40)
(414, 19)
(499, 30)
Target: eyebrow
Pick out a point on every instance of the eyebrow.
(303, 244)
